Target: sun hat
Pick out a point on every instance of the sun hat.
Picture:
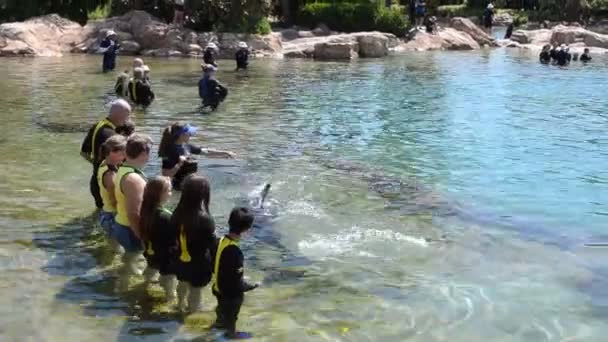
(490, 6)
(242, 45)
(146, 68)
(110, 33)
(211, 46)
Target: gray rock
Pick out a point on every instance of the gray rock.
(479, 35)
(336, 51)
(373, 45)
(130, 47)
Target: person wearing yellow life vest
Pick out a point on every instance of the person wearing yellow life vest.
(229, 286)
(139, 90)
(120, 110)
(129, 189)
(113, 151)
(196, 242)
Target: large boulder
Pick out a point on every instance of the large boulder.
(568, 34)
(336, 51)
(373, 45)
(445, 39)
(503, 19)
(479, 35)
(596, 40)
(48, 35)
(130, 47)
(536, 37)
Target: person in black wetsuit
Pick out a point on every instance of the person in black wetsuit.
(109, 47)
(585, 57)
(120, 110)
(229, 286)
(242, 56)
(563, 56)
(553, 53)
(139, 91)
(176, 153)
(488, 18)
(158, 235)
(210, 90)
(509, 32)
(545, 56)
(209, 54)
(196, 243)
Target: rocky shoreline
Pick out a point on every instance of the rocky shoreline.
(141, 34)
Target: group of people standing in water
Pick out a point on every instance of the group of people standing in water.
(560, 55)
(138, 88)
(180, 247)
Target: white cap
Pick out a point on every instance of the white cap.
(110, 33)
(242, 45)
(146, 68)
(490, 6)
(211, 46)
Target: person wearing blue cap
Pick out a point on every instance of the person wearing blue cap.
(210, 90)
(176, 153)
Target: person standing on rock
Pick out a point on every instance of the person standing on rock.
(120, 110)
(178, 13)
(242, 56)
(488, 18)
(109, 47)
(209, 54)
(420, 13)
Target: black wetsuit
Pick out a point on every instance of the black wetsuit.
(140, 93)
(209, 57)
(509, 32)
(553, 53)
(92, 146)
(230, 285)
(172, 158)
(562, 58)
(585, 57)
(211, 92)
(242, 59)
(161, 245)
(200, 243)
(488, 18)
(545, 57)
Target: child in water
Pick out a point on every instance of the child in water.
(229, 286)
(113, 151)
(196, 242)
(158, 235)
(175, 151)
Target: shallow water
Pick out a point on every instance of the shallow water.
(427, 197)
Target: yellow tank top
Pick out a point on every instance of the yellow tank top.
(101, 124)
(224, 242)
(121, 205)
(105, 196)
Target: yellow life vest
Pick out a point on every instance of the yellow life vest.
(184, 256)
(149, 248)
(224, 242)
(105, 195)
(101, 124)
(121, 205)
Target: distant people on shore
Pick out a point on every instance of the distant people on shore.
(488, 18)
(140, 92)
(420, 13)
(109, 47)
(586, 56)
(242, 56)
(211, 51)
(430, 24)
(178, 13)
(210, 90)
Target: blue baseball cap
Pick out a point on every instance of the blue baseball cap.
(188, 129)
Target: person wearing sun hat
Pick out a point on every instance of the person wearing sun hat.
(210, 90)
(109, 47)
(146, 70)
(242, 56)
(176, 152)
(488, 17)
(209, 54)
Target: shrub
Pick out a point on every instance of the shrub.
(391, 20)
(262, 27)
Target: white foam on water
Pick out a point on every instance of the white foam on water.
(304, 208)
(353, 239)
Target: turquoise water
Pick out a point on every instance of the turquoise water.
(424, 197)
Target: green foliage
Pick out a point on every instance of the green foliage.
(77, 10)
(351, 17)
(262, 27)
(101, 12)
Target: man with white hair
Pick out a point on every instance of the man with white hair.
(139, 91)
(242, 56)
(109, 47)
(120, 110)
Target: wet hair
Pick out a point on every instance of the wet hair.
(127, 129)
(150, 204)
(170, 136)
(138, 73)
(138, 144)
(114, 143)
(240, 220)
(192, 211)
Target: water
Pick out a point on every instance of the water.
(427, 197)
